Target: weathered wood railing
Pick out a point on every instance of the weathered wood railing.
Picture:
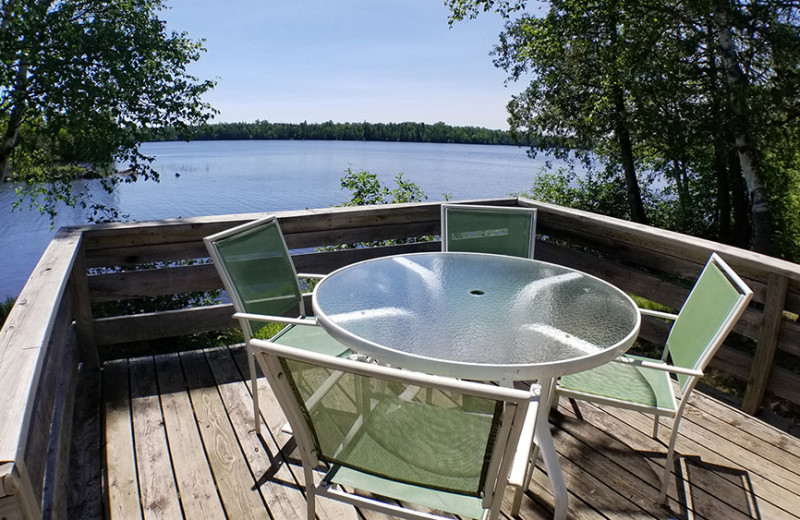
(52, 326)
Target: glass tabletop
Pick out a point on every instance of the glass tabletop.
(476, 316)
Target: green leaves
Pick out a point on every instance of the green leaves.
(703, 95)
(83, 81)
(366, 190)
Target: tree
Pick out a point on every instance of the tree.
(704, 94)
(582, 65)
(85, 81)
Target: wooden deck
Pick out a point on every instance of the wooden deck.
(171, 437)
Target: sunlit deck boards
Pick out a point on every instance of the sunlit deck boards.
(179, 443)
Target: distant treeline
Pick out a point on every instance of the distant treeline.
(330, 131)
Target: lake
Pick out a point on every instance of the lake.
(222, 177)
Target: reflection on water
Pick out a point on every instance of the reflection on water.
(222, 177)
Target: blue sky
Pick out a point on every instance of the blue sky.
(346, 61)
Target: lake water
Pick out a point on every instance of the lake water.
(222, 177)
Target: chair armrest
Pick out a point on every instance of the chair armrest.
(309, 321)
(659, 365)
(522, 457)
(311, 275)
(658, 314)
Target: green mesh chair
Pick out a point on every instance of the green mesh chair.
(489, 229)
(714, 305)
(259, 276)
(409, 438)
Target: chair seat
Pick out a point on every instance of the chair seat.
(460, 505)
(624, 386)
(311, 338)
(388, 442)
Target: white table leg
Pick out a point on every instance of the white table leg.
(544, 440)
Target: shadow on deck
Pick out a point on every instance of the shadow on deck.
(171, 436)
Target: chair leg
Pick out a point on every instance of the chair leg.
(668, 463)
(311, 494)
(251, 363)
(526, 482)
(656, 421)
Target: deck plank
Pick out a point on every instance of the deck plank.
(275, 481)
(773, 501)
(772, 484)
(288, 467)
(730, 465)
(195, 482)
(639, 471)
(159, 493)
(234, 480)
(122, 488)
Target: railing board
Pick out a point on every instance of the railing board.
(768, 339)
(24, 342)
(146, 254)
(164, 324)
(46, 397)
(153, 282)
(25, 333)
(188, 230)
(83, 311)
(55, 497)
(360, 234)
(747, 264)
(85, 480)
(327, 261)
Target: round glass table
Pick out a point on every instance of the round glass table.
(476, 316)
(480, 317)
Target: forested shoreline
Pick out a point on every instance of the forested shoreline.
(330, 131)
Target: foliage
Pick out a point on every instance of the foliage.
(330, 131)
(366, 189)
(82, 82)
(702, 96)
(5, 308)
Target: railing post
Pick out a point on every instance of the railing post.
(82, 305)
(768, 339)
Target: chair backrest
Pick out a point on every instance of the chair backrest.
(489, 229)
(716, 302)
(429, 431)
(257, 271)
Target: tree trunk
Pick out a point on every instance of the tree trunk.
(741, 202)
(15, 119)
(723, 190)
(8, 143)
(623, 136)
(742, 132)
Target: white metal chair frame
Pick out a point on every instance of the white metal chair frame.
(508, 460)
(680, 400)
(245, 318)
(445, 236)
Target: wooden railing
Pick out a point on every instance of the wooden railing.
(53, 326)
